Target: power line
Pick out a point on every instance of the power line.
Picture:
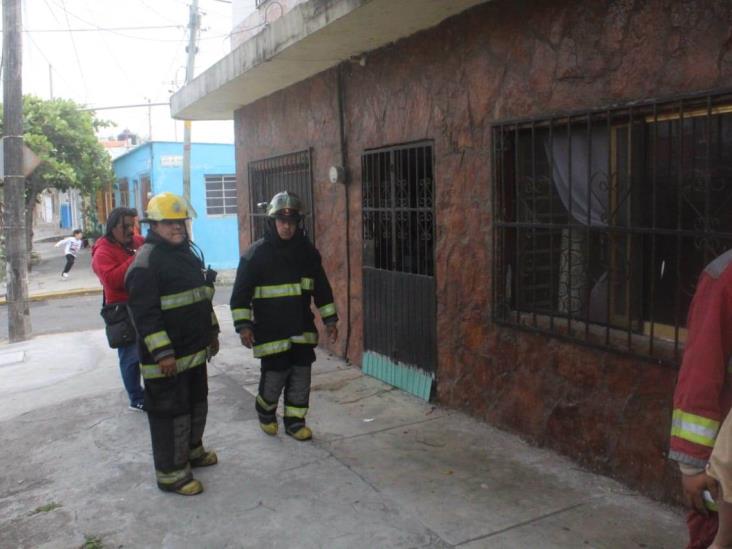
(107, 29)
(88, 109)
(76, 53)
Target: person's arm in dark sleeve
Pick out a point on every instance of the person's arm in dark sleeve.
(323, 294)
(242, 293)
(144, 303)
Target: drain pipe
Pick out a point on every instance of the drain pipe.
(345, 181)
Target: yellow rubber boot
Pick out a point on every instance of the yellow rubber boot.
(205, 460)
(302, 434)
(191, 488)
(269, 428)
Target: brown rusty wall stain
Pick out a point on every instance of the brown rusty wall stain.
(502, 60)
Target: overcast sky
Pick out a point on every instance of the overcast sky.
(124, 65)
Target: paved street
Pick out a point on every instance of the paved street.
(384, 469)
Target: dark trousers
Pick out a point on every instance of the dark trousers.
(176, 410)
(69, 263)
(294, 378)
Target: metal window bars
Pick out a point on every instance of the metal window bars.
(287, 172)
(220, 194)
(604, 220)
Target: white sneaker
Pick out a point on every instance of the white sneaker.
(64, 275)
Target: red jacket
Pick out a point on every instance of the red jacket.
(110, 262)
(704, 393)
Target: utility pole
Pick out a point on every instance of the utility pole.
(149, 119)
(50, 80)
(194, 21)
(19, 327)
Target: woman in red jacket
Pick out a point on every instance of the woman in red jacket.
(111, 256)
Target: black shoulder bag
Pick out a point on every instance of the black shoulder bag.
(119, 328)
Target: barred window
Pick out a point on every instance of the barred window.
(220, 194)
(287, 172)
(604, 220)
(123, 186)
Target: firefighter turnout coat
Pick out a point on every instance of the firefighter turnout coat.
(275, 284)
(171, 306)
(703, 392)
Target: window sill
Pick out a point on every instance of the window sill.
(659, 349)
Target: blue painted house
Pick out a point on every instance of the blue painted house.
(157, 166)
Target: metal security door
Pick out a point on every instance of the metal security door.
(398, 267)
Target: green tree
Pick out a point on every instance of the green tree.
(64, 138)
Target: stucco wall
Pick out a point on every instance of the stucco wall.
(502, 60)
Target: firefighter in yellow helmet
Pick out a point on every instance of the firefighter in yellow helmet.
(277, 279)
(170, 294)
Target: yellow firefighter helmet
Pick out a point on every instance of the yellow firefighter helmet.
(166, 206)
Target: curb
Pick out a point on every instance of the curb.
(56, 294)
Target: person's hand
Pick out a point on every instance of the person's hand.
(332, 331)
(247, 337)
(167, 366)
(213, 347)
(693, 487)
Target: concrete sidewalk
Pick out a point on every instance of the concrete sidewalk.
(45, 282)
(384, 469)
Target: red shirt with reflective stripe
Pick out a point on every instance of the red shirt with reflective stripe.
(703, 394)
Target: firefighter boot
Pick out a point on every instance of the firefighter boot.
(270, 428)
(202, 458)
(302, 433)
(191, 488)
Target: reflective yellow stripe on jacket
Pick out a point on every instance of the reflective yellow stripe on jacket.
(189, 297)
(697, 429)
(327, 310)
(278, 290)
(307, 283)
(152, 371)
(241, 314)
(157, 340)
(282, 345)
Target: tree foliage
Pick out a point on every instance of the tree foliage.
(64, 137)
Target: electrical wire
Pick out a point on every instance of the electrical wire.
(76, 53)
(107, 29)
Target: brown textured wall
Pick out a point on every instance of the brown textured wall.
(502, 60)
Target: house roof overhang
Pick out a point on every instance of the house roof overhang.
(312, 37)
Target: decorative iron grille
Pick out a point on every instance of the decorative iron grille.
(399, 301)
(605, 219)
(288, 172)
(398, 223)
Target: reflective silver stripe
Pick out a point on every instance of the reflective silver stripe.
(694, 428)
(173, 477)
(307, 283)
(152, 371)
(157, 340)
(295, 411)
(306, 337)
(189, 297)
(263, 404)
(272, 347)
(327, 310)
(279, 290)
(241, 314)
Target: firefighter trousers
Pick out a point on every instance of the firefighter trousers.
(177, 407)
(295, 380)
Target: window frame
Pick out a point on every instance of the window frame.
(230, 208)
(652, 340)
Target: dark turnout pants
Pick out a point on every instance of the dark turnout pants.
(176, 409)
(289, 371)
